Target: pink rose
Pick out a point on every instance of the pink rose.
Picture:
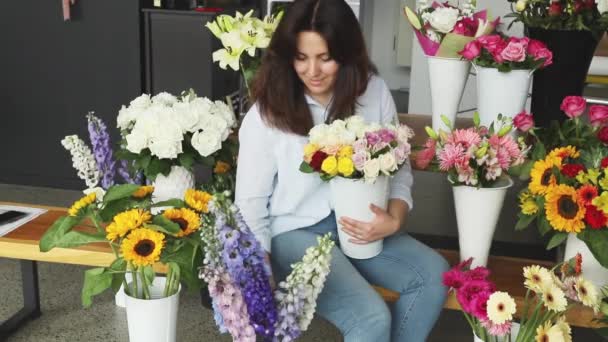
(471, 51)
(359, 160)
(546, 54)
(598, 115)
(493, 43)
(523, 121)
(573, 106)
(515, 52)
(523, 40)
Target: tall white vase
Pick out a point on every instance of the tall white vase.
(153, 319)
(351, 198)
(448, 77)
(174, 185)
(477, 212)
(501, 92)
(592, 270)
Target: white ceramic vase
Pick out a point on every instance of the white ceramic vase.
(477, 212)
(448, 77)
(351, 198)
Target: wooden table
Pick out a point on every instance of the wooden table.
(22, 244)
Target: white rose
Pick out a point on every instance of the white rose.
(318, 133)
(356, 124)
(164, 98)
(443, 19)
(388, 163)
(218, 124)
(371, 169)
(602, 5)
(126, 115)
(136, 141)
(186, 116)
(226, 112)
(167, 137)
(166, 149)
(207, 142)
(141, 102)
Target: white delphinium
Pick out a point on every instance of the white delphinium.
(82, 160)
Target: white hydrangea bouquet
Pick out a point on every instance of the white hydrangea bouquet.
(357, 158)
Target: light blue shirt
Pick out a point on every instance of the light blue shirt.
(273, 195)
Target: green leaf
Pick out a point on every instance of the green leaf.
(57, 231)
(149, 274)
(75, 239)
(452, 44)
(119, 192)
(143, 161)
(306, 168)
(543, 226)
(524, 221)
(157, 166)
(120, 267)
(539, 152)
(96, 280)
(113, 208)
(186, 160)
(176, 203)
(208, 161)
(597, 241)
(557, 239)
(165, 225)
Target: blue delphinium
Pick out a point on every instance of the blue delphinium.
(100, 141)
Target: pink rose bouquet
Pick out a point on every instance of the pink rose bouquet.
(507, 53)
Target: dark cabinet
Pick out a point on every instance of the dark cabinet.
(178, 50)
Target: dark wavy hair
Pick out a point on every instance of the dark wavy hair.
(277, 88)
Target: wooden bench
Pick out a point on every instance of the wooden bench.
(22, 244)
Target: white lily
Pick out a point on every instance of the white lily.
(482, 27)
(271, 22)
(214, 28)
(253, 38)
(227, 57)
(243, 18)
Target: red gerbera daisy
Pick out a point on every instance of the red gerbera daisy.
(587, 193)
(595, 218)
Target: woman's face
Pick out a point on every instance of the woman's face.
(314, 65)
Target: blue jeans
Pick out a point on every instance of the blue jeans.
(352, 305)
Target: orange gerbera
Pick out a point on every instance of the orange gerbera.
(587, 193)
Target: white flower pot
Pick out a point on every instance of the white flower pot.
(119, 297)
(153, 319)
(448, 77)
(351, 198)
(501, 93)
(477, 212)
(514, 332)
(592, 269)
(174, 185)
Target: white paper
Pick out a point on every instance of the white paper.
(32, 213)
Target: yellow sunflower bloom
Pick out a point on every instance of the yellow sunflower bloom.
(142, 247)
(345, 151)
(565, 152)
(345, 166)
(143, 191)
(125, 222)
(563, 209)
(187, 219)
(541, 176)
(601, 202)
(81, 204)
(221, 167)
(198, 200)
(330, 166)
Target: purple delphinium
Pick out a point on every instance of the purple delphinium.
(100, 141)
(290, 306)
(123, 171)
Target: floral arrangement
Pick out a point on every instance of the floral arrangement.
(97, 166)
(122, 218)
(561, 14)
(490, 313)
(239, 34)
(443, 29)
(353, 149)
(507, 53)
(165, 130)
(568, 187)
(238, 280)
(475, 156)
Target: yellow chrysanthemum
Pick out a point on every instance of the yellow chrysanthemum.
(198, 200)
(537, 278)
(142, 247)
(565, 152)
(549, 333)
(143, 191)
(587, 293)
(541, 176)
(563, 209)
(330, 166)
(554, 298)
(81, 204)
(346, 166)
(309, 150)
(345, 151)
(501, 307)
(187, 219)
(125, 222)
(221, 167)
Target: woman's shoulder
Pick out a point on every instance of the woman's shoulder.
(376, 86)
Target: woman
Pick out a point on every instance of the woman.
(316, 70)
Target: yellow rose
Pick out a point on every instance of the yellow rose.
(330, 166)
(346, 166)
(309, 150)
(345, 151)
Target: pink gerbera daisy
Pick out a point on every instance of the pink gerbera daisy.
(465, 137)
(449, 155)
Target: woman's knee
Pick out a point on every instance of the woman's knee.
(371, 324)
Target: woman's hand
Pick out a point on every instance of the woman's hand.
(383, 225)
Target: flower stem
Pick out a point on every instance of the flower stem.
(144, 285)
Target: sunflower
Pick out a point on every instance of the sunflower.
(198, 200)
(221, 167)
(563, 209)
(501, 307)
(586, 194)
(554, 298)
(537, 278)
(143, 191)
(81, 204)
(587, 293)
(142, 246)
(541, 176)
(565, 152)
(125, 222)
(187, 219)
